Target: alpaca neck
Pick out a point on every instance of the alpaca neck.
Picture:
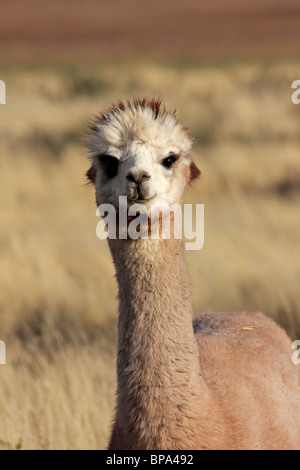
(155, 313)
(157, 353)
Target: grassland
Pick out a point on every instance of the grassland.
(63, 30)
(58, 310)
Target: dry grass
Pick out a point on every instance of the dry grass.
(57, 296)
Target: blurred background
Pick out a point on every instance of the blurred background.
(227, 67)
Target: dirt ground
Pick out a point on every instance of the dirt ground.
(74, 30)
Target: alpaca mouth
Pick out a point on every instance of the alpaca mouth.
(140, 199)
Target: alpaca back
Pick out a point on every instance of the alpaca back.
(245, 359)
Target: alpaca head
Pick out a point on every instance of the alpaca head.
(140, 150)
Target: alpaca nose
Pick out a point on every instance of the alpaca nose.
(138, 178)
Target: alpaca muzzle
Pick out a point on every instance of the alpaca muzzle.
(138, 185)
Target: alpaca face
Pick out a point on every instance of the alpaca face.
(139, 150)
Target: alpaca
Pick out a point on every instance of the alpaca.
(224, 381)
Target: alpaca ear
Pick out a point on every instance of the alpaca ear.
(91, 174)
(194, 171)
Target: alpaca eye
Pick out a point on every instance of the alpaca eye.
(110, 165)
(169, 161)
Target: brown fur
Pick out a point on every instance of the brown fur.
(230, 384)
(225, 382)
(91, 175)
(194, 172)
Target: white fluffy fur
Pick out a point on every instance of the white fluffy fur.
(138, 126)
(140, 140)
